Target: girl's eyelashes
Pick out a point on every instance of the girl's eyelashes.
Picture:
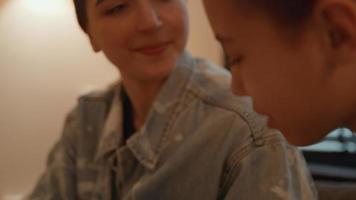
(236, 60)
(119, 8)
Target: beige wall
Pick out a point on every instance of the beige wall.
(45, 62)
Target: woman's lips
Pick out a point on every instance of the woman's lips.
(151, 50)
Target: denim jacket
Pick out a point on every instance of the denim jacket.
(199, 142)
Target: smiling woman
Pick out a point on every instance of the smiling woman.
(45, 63)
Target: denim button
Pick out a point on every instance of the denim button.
(259, 142)
(178, 137)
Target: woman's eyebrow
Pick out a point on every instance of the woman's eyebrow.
(98, 2)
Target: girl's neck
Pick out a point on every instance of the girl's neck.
(142, 95)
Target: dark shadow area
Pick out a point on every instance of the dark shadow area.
(334, 170)
(329, 190)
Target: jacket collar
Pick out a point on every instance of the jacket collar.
(146, 144)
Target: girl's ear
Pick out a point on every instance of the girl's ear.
(339, 20)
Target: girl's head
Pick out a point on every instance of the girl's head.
(143, 38)
(284, 12)
(296, 58)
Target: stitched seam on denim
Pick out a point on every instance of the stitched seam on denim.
(85, 101)
(148, 161)
(177, 110)
(249, 120)
(231, 170)
(233, 163)
(244, 115)
(256, 130)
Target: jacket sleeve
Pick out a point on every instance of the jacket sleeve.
(59, 179)
(274, 171)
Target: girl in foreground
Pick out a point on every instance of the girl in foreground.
(296, 58)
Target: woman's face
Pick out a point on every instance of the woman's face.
(287, 72)
(143, 38)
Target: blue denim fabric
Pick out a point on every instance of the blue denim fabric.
(199, 142)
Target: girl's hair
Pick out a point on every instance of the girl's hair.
(80, 9)
(286, 12)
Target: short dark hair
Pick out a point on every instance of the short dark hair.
(81, 13)
(287, 12)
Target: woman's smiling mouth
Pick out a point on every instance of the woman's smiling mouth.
(152, 49)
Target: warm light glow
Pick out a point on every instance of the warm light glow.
(47, 7)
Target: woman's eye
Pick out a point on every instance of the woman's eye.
(116, 9)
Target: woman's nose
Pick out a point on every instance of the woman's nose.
(149, 19)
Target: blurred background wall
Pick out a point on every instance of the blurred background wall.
(45, 63)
